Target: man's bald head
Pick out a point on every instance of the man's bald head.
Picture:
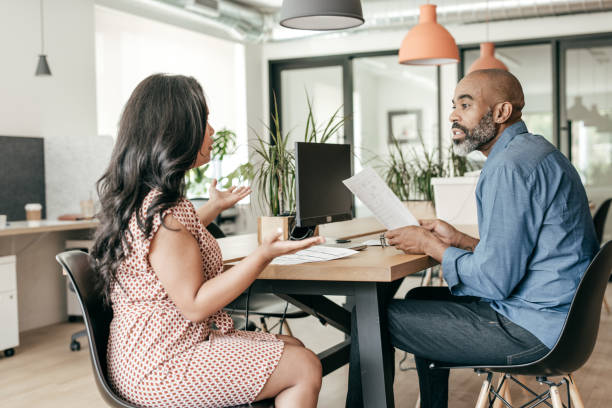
(496, 86)
(485, 103)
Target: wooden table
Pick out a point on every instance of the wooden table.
(371, 276)
(36, 227)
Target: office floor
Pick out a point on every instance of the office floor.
(44, 371)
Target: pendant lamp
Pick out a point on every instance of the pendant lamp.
(428, 43)
(43, 66)
(579, 112)
(321, 15)
(487, 59)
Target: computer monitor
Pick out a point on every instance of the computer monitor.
(321, 197)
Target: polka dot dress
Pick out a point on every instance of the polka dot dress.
(158, 358)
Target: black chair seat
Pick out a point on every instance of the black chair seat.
(97, 317)
(579, 332)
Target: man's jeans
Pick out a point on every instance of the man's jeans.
(434, 325)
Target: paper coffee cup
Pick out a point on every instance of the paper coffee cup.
(2, 220)
(33, 211)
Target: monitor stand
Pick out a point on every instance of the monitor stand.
(299, 233)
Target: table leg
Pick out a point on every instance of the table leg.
(376, 353)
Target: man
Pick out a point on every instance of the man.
(509, 292)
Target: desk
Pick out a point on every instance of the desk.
(41, 290)
(372, 276)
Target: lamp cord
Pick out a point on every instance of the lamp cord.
(42, 29)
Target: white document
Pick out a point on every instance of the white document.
(378, 197)
(317, 253)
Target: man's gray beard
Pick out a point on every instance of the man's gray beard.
(483, 133)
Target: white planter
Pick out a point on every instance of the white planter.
(456, 199)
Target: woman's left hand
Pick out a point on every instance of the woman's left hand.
(226, 199)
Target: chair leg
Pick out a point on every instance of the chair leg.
(502, 391)
(507, 395)
(427, 281)
(605, 302)
(287, 328)
(264, 326)
(483, 397)
(574, 394)
(555, 397)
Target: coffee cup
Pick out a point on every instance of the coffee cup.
(2, 220)
(33, 211)
(87, 208)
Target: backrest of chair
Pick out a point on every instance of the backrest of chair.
(579, 332)
(215, 231)
(96, 314)
(599, 219)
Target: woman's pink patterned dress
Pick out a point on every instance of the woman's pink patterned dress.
(158, 358)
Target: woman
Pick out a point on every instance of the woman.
(161, 270)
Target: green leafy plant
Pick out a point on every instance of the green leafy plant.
(196, 180)
(274, 178)
(409, 175)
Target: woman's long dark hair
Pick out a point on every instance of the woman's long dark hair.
(161, 131)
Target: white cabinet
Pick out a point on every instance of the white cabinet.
(9, 325)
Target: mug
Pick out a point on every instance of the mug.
(2, 220)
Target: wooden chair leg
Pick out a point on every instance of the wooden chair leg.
(555, 397)
(483, 397)
(427, 280)
(507, 395)
(504, 391)
(574, 394)
(605, 302)
(287, 328)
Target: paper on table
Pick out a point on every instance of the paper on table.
(378, 197)
(317, 253)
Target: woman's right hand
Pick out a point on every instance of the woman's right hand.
(273, 247)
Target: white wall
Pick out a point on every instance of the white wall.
(60, 108)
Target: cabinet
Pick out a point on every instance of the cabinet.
(9, 324)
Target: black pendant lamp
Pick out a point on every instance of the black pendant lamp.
(43, 66)
(321, 15)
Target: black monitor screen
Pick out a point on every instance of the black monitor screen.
(321, 196)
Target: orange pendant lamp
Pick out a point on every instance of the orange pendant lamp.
(428, 43)
(487, 59)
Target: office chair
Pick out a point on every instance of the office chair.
(572, 350)
(599, 219)
(97, 316)
(264, 305)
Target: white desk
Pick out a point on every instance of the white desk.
(41, 291)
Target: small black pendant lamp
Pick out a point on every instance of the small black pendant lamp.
(321, 14)
(43, 66)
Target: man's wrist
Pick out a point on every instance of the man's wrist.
(435, 248)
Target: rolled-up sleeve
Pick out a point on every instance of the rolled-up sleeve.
(509, 222)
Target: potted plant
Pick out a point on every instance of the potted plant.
(197, 181)
(274, 177)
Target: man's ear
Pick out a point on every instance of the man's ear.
(502, 112)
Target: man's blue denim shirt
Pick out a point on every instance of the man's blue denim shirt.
(536, 235)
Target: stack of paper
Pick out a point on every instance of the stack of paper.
(317, 253)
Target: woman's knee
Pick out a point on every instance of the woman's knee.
(311, 368)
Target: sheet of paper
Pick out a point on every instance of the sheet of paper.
(317, 253)
(378, 197)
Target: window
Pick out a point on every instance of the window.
(130, 48)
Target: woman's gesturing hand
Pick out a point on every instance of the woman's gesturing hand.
(226, 199)
(273, 247)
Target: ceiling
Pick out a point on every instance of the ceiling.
(257, 20)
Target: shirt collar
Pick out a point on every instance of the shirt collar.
(505, 138)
